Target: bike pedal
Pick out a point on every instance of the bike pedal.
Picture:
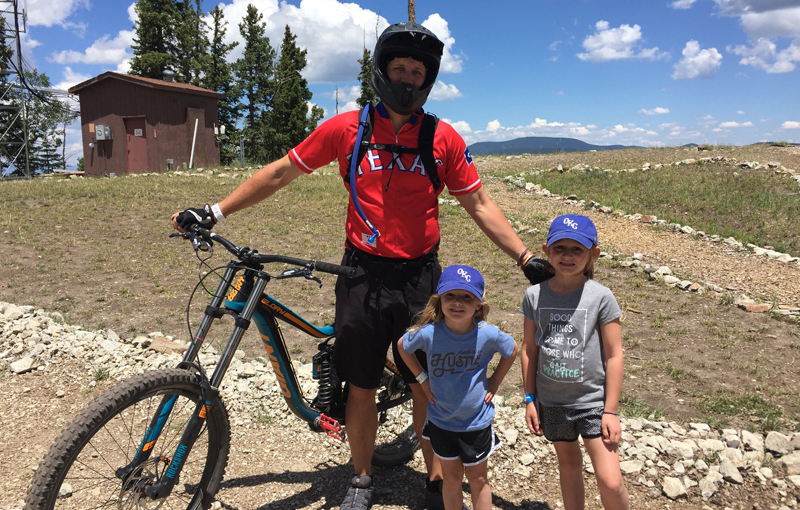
(332, 427)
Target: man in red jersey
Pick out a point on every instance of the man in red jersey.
(397, 270)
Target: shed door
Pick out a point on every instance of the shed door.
(136, 145)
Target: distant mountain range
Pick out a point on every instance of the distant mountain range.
(539, 145)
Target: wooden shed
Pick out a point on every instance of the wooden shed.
(132, 124)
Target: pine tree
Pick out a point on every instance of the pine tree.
(218, 77)
(288, 122)
(367, 92)
(154, 47)
(191, 42)
(253, 73)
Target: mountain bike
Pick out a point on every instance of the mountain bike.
(162, 438)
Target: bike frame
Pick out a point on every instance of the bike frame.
(246, 301)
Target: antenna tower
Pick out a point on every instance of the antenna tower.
(13, 94)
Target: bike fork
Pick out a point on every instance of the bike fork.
(209, 393)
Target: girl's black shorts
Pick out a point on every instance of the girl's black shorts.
(565, 424)
(471, 448)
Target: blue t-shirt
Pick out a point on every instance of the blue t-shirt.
(457, 371)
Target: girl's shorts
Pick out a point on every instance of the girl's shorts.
(471, 447)
(565, 424)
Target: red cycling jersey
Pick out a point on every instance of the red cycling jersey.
(396, 196)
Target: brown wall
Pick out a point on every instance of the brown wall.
(169, 125)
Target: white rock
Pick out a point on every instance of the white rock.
(21, 366)
(109, 345)
(12, 312)
(753, 442)
(707, 488)
(777, 443)
(729, 472)
(631, 467)
(711, 445)
(680, 449)
(790, 463)
(672, 487)
(511, 435)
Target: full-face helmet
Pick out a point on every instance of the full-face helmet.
(405, 40)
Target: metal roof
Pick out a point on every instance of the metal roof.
(145, 82)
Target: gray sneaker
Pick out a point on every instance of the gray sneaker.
(359, 494)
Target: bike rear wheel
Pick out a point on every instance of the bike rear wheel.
(79, 470)
(396, 440)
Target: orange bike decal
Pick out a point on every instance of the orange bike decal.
(236, 288)
(204, 411)
(148, 446)
(276, 366)
(392, 367)
(311, 330)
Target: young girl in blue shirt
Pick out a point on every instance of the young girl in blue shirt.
(459, 345)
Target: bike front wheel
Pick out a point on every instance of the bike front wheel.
(79, 470)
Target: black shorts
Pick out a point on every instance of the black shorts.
(565, 424)
(471, 447)
(374, 309)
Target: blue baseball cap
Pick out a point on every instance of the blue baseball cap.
(573, 226)
(461, 278)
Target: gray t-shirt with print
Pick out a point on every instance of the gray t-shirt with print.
(571, 370)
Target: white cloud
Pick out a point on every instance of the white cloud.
(740, 112)
(764, 21)
(682, 4)
(772, 24)
(763, 54)
(617, 43)
(436, 24)
(55, 12)
(442, 91)
(734, 124)
(628, 134)
(460, 126)
(334, 33)
(655, 111)
(103, 51)
(554, 45)
(739, 7)
(697, 63)
(790, 124)
(71, 79)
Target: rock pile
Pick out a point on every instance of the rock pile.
(668, 458)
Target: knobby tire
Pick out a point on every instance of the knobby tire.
(79, 470)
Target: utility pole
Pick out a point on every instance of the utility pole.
(337, 100)
(412, 15)
(13, 144)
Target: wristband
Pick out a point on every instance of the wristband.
(218, 216)
(530, 397)
(422, 377)
(522, 256)
(609, 412)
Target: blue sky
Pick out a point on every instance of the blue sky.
(649, 73)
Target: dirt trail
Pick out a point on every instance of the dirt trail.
(740, 272)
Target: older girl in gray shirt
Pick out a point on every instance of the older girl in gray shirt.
(572, 363)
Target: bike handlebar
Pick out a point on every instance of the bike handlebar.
(248, 255)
